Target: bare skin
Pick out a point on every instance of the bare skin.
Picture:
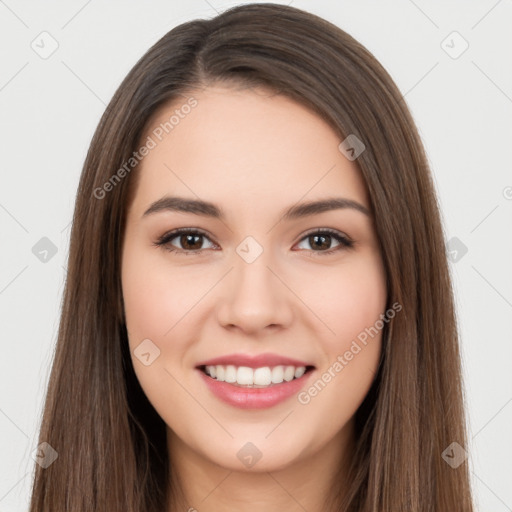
(254, 154)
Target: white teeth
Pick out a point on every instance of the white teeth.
(264, 376)
(299, 372)
(277, 374)
(230, 375)
(220, 373)
(245, 375)
(289, 373)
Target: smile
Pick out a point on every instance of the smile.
(262, 377)
(254, 382)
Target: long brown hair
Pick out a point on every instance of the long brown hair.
(111, 443)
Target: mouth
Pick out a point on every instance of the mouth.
(255, 378)
(254, 382)
(249, 381)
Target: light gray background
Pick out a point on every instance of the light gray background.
(50, 107)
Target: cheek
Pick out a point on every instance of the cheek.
(155, 297)
(349, 300)
(352, 305)
(156, 301)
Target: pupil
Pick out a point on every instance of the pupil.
(319, 245)
(190, 238)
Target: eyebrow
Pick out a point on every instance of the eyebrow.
(207, 209)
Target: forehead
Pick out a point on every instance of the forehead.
(233, 146)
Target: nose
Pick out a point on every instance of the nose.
(254, 298)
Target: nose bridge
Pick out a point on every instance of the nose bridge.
(255, 297)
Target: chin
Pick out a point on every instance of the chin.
(257, 455)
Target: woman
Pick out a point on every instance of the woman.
(258, 311)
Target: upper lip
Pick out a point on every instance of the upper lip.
(253, 361)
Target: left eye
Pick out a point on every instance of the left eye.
(320, 240)
(191, 241)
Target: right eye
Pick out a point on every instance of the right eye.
(190, 241)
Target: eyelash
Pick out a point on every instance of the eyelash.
(166, 238)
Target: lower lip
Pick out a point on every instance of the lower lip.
(254, 398)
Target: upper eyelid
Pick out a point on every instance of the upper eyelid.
(326, 230)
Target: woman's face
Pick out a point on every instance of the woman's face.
(255, 294)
